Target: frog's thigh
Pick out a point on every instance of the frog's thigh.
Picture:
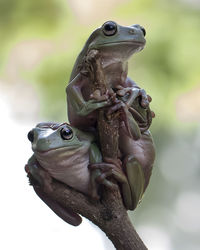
(136, 179)
(64, 213)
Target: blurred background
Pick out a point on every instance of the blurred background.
(39, 42)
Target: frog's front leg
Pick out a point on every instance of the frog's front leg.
(76, 100)
(95, 159)
(38, 176)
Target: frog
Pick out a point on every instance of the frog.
(63, 152)
(137, 154)
(115, 44)
(72, 157)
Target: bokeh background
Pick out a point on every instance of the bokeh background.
(39, 42)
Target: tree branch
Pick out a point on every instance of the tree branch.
(108, 214)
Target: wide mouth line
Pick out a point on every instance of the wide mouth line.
(53, 149)
(131, 42)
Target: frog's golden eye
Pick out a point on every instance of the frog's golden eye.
(66, 133)
(109, 28)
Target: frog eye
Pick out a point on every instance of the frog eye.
(66, 133)
(109, 28)
(143, 30)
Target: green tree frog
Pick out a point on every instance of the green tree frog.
(63, 152)
(115, 44)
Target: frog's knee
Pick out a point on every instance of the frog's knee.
(130, 160)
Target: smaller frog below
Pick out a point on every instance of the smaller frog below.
(72, 157)
(64, 153)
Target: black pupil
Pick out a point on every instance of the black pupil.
(144, 31)
(109, 27)
(31, 136)
(67, 132)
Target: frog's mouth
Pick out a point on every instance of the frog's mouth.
(140, 43)
(55, 150)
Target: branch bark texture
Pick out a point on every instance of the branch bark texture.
(108, 214)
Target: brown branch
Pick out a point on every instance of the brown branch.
(108, 214)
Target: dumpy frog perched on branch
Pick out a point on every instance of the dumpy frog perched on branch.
(99, 83)
(106, 143)
(115, 45)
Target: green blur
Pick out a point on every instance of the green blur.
(167, 68)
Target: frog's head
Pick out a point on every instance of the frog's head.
(115, 43)
(47, 137)
(116, 40)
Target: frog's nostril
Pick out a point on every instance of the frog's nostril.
(143, 30)
(31, 136)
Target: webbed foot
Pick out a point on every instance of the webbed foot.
(133, 94)
(113, 168)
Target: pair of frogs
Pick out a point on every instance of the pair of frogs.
(70, 153)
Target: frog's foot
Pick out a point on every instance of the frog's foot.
(135, 178)
(92, 105)
(116, 106)
(38, 177)
(98, 97)
(97, 177)
(98, 170)
(133, 94)
(110, 170)
(131, 127)
(66, 214)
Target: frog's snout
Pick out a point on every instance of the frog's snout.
(137, 26)
(30, 136)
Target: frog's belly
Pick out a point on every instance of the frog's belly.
(71, 170)
(76, 176)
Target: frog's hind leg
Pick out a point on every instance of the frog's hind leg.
(136, 179)
(64, 213)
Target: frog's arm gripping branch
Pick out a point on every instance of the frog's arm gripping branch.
(108, 214)
(80, 106)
